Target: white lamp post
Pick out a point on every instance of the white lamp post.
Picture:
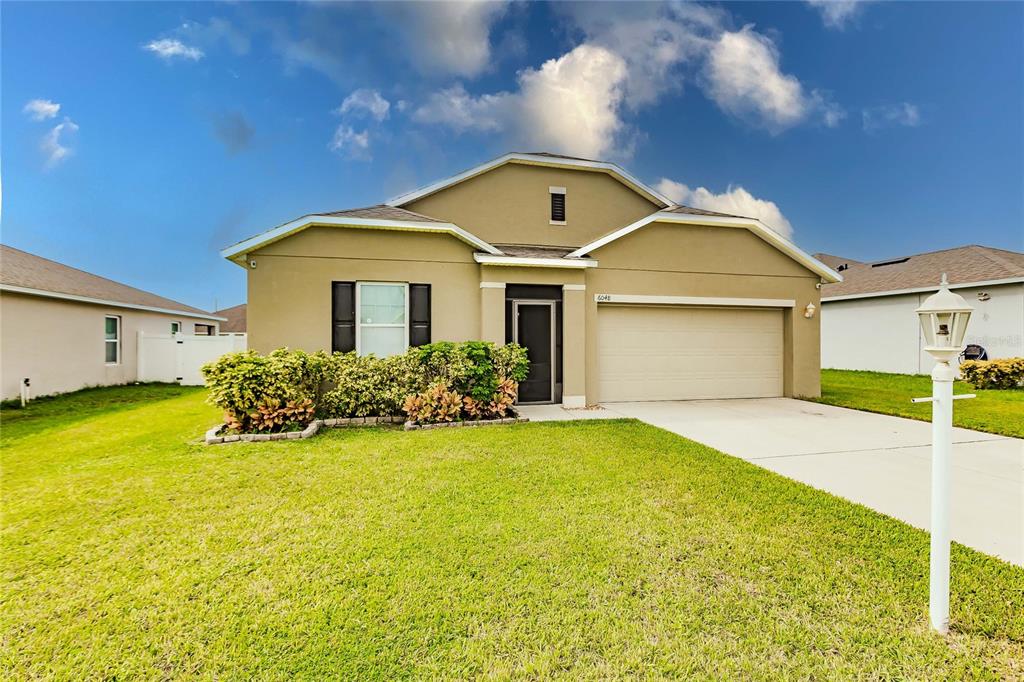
(944, 316)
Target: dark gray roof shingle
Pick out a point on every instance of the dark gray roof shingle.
(961, 265)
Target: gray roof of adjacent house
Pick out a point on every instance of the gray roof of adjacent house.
(234, 318)
(24, 272)
(962, 265)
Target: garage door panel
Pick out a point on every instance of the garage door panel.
(672, 353)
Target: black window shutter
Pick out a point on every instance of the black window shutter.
(558, 207)
(343, 316)
(419, 314)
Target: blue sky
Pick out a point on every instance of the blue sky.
(140, 138)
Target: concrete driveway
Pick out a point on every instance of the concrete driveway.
(879, 461)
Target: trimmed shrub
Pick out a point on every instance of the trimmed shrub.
(266, 393)
(1007, 373)
(469, 380)
(365, 386)
(286, 389)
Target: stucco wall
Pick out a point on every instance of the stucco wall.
(289, 299)
(511, 205)
(883, 334)
(686, 260)
(290, 288)
(58, 344)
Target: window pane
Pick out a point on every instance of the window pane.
(382, 303)
(111, 327)
(381, 341)
(111, 351)
(174, 327)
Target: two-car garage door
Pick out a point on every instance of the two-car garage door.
(687, 353)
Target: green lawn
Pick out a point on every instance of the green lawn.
(999, 412)
(577, 550)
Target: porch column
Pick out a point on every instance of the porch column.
(574, 358)
(492, 312)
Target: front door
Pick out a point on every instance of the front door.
(534, 326)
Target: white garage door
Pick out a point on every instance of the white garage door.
(675, 353)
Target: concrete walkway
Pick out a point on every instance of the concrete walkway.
(879, 461)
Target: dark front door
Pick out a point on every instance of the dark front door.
(534, 325)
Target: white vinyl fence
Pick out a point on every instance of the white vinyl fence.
(176, 358)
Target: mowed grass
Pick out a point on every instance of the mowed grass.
(575, 550)
(999, 412)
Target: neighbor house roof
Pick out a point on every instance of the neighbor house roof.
(539, 159)
(963, 266)
(26, 273)
(234, 318)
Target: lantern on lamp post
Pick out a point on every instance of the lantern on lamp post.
(944, 316)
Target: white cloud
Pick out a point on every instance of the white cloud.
(837, 13)
(348, 142)
(569, 105)
(366, 101)
(745, 80)
(213, 32)
(41, 109)
(172, 48)
(891, 115)
(735, 201)
(447, 38)
(53, 143)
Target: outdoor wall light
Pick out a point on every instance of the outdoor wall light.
(809, 311)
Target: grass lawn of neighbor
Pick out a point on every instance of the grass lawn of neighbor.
(590, 549)
(999, 412)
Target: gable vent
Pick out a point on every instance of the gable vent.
(557, 204)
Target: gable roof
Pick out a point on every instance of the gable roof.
(538, 159)
(690, 216)
(26, 273)
(964, 265)
(234, 318)
(379, 217)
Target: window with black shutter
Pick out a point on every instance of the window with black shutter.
(419, 314)
(343, 316)
(557, 206)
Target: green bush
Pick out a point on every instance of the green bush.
(1007, 373)
(364, 386)
(246, 384)
(442, 381)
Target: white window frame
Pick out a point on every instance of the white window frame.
(359, 314)
(557, 190)
(116, 341)
(175, 322)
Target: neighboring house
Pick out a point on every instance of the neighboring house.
(617, 293)
(868, 319)
(63, 329)
(234, 319)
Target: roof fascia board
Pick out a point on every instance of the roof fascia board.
(577, 263)
(238, 251)
(922, 290)
(102, 301)
(756, 226)
(532, 159)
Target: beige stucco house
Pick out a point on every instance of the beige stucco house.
(63, 329)
(618, 293)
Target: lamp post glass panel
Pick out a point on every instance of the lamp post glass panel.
(944, 317)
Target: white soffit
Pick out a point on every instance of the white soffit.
(756, 226)
(238, 251)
